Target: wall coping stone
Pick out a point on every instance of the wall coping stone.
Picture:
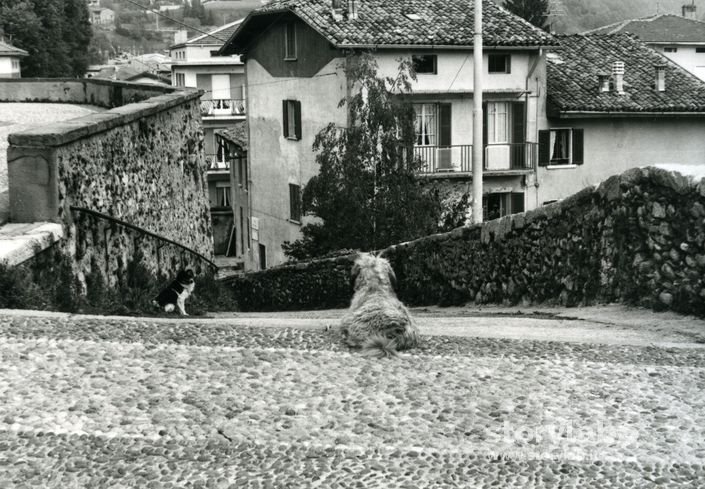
(20, 242)
(66, 132)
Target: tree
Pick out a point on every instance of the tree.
(55, 33)
(367, 194)
(535, 11)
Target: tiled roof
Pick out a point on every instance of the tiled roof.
(7, 49)
(237, 134)
(382, 23)
(573, 83)
(658, 28)
(217, 36)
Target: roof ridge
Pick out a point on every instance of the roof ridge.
(215, 31)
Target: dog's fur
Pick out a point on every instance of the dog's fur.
(377, 321)
(175, 295)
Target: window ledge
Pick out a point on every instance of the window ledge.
(293, 138)
(561, 167)
(294, 221)
(290, 59)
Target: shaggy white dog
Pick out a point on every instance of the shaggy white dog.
(377, 321)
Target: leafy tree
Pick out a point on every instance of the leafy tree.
(535, 11)
(56, 33)
(367, 195)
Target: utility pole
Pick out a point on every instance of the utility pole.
(477, 143)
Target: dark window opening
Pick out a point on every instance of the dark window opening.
(426, 63)
(295, 202)
(499, 63)
(700, 50)
(291, 119)
(290, 42)
(670, 49)
(262, 257)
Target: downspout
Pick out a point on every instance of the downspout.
(526, 95)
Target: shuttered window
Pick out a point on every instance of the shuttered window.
(291, 119)
(561, 147)
(290, 42)
(295, 202)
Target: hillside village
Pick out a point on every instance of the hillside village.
(250, 250)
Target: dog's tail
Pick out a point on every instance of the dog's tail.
(378, 346)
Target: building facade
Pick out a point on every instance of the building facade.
(295, 53)
(196, 64)
(614, 103)
(10, 57)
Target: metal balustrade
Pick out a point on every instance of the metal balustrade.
(498, 157)
(222, 107)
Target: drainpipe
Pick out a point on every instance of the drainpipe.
(534, 65)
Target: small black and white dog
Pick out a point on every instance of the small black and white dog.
(175, 295)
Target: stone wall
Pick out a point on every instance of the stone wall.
(637, 238)
(142, 163)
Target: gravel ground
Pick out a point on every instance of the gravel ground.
(132, 402)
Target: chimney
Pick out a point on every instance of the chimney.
(660, 78)
(341, 9)
(618, 75)
(689, 11)
(604, 82)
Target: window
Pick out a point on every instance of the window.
(499, 63)
(700, 50)
(425, 64)
(292, 119)
(221, 153)
(290, 42)
(498, 122)
(242, 227)
(179, 80)
(222, 196)
(498, 205)
(294, 202)
(262, 257)
(561, 147)
(426, 124)
(670, 49)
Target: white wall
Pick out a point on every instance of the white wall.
(6, 69)
(613, 146)
(687, 58)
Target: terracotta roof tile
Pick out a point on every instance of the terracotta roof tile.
(573, 83)
(387, 23)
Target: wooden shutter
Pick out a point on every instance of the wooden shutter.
(285, 115)
(517, 203)
(577, 146)
(544, 148)
(205, 83)
(518, 131)
(236, 84)
(444, 116)
(297, 118)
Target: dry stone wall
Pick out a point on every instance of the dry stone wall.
(637, 238)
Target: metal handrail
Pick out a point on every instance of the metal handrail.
(142, 230)
(233, 106)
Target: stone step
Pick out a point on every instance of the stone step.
(21, 241)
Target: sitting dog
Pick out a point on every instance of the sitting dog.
(377, 321)
(175, 295)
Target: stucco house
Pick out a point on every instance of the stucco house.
(101, 16)
(295, 50)
(679, 38)
(10, 60)
(196, 63)
(614, 103)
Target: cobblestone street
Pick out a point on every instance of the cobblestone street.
(492, 398)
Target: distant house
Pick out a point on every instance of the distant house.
(148, 77)
(101, 16)
(10, 60)
(614, 103)
(295, 50)
(681, 39)
(195, 63)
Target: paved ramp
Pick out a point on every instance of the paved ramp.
(490, 399)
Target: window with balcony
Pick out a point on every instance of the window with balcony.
(504, 137)
(499, 63)
(291, 119)
(222, 196)
(560, 147)
(425, 64)
(290, 42)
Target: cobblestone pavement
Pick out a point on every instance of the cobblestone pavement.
(152, 403)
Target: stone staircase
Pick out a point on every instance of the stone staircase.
(253, 403)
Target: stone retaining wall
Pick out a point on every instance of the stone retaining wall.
(142, 163)
(638, 238)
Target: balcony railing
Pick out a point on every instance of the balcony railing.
(498, 157)
(217, 163)
(222, 107)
